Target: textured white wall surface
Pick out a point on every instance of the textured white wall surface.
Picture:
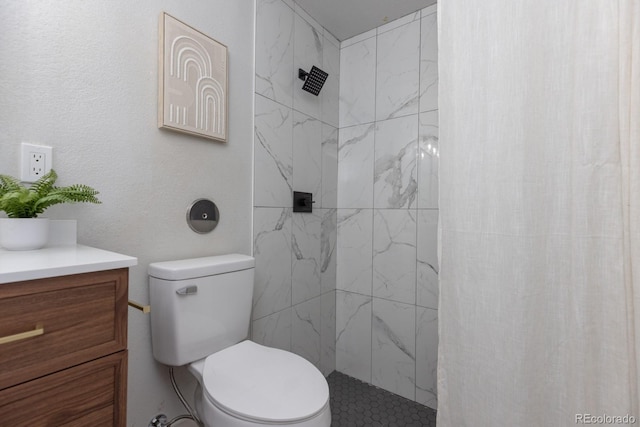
(81, 76)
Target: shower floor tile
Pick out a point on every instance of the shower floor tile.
(355, 403)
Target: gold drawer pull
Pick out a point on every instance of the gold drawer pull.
(39, 330)
(142, 308)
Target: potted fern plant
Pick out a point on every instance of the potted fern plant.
(23, 229)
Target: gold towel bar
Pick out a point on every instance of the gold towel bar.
(142, 308)
(39, 330)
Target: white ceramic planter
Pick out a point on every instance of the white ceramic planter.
(23, 234)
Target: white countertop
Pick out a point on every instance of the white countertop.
(61, 260)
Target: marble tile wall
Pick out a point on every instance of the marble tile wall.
(387, 208)
(296, 148)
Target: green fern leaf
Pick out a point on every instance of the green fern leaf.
(18, 203)
(73, 194)
(21, 202)
(8, 184)
(45, 184)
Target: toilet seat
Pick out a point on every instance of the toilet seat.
(267, 385)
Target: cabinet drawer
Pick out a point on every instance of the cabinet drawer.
(92, 394)
(82, 316)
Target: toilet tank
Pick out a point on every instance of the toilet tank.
(199, 306)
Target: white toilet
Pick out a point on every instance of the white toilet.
(200, 317)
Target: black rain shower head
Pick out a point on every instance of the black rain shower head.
(313, 80)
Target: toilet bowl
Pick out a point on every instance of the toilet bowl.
(200, 318)
(252, 385)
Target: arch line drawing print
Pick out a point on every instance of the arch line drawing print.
(192, 81)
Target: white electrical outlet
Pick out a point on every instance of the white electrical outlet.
(36, 161)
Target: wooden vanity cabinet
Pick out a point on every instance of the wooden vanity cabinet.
(63, 350)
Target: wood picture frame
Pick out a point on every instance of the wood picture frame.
(192, 81)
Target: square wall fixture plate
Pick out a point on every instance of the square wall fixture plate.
(302, 202)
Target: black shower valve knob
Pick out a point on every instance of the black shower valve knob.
(302, 202)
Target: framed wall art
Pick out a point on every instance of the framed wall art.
(192, 93)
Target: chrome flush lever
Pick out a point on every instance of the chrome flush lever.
(189, 290)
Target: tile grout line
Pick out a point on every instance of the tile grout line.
(415, 300)
(418, 174)
(373, 195)
(293, 48)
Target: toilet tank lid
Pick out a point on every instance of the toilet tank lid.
(200, 267)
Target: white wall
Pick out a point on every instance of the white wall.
(387, 267)
(81, 76)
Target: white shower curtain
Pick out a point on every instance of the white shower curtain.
(539, 212)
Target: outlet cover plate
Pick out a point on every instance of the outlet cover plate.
(36, 161)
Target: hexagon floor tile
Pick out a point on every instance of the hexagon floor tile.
(355, 403)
